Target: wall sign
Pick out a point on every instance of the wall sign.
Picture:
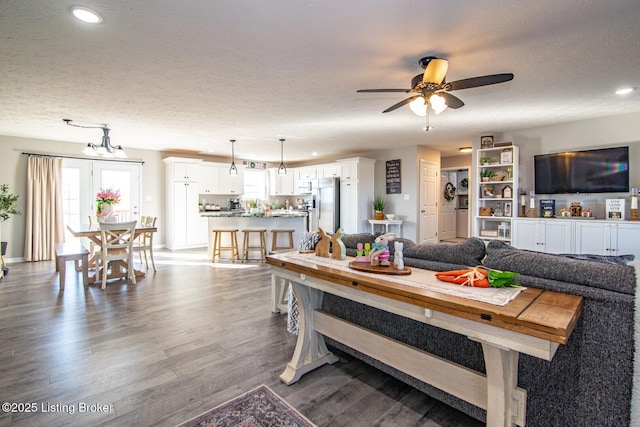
(254, 165)
(393, 177)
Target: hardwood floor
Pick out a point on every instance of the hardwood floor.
(179, 342)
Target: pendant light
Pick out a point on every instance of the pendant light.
(105, 149)
(282, 170)
(233, 170)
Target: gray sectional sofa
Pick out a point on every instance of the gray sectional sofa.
(589, 381)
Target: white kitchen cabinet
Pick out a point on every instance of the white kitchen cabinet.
(330, 170)
(552, 236)
(215, 179)
(186, 171)
(306, 173)
(209, 179)
(230, 184)
(282, 185)
(184, 226)
(608, 238)
(356, 196)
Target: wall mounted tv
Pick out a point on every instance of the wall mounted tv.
(591, 171)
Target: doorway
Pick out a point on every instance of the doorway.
(454, 204)
(81, 180)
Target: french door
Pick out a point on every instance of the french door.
(82, 179)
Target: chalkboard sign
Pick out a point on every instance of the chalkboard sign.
(393, 177)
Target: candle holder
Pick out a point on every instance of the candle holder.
(532, 204)
(634, 205)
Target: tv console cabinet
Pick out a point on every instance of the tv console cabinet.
(579, 236)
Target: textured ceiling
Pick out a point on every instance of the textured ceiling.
(190, 75)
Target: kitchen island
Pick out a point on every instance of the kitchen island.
(281, 219)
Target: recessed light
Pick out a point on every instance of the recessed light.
(86, 15)
(315, 153)
(465, 149)
(625, 90)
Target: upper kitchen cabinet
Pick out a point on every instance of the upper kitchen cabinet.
(231, 184)
(215, 179)
(330, 170)
(306, 173)
(209, 179)
(282, 185)
(183, 170)
(355, 168)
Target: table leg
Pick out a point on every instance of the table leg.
(311, 351)
(502, 376)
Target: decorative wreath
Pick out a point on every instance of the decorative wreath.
(449, 191)
(464, 183)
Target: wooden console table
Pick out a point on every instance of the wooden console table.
(536, 322)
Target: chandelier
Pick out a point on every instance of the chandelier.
(105, 149)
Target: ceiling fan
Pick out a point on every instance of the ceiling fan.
(430, 89)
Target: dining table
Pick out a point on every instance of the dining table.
(92, 232)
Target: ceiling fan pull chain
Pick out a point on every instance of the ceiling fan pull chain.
(427, 127)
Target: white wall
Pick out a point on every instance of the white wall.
(623, 130)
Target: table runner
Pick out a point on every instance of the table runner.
(425, 280)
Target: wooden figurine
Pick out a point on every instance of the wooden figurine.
(380, 252)
(362, 254)
(338, 250)
(322, 248)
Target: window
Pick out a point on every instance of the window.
(255, 184)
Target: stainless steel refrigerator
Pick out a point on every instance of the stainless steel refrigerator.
(326, 215)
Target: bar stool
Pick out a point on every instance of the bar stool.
(217, 244)
(262, 247)
(274, 240)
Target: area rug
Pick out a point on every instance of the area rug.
(259, 407)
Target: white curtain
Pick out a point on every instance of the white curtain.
(44, 215)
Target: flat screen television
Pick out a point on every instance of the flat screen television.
(590, 171)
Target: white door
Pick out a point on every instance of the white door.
(124, 177)
(447, 218)
(81, 180)
(428, 202)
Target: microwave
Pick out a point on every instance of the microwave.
(305, 187)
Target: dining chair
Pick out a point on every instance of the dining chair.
(144, 242)
(117, 246)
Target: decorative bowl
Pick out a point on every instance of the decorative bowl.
(390, 216)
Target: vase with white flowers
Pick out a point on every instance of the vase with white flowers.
(105, 199)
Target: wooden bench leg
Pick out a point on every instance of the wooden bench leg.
(62, 268)
(85, 269)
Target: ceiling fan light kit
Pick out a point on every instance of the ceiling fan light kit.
(430, 89)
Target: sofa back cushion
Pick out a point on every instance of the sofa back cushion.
(597, 274)
(468, 252)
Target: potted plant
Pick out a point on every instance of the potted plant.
(486, 175)
(378, 207)
(486, 160)
(7, 208)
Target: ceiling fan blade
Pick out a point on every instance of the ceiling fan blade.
(382, 90)
(436, 71)
(451, 101)
(479, 81)
(401, 103)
